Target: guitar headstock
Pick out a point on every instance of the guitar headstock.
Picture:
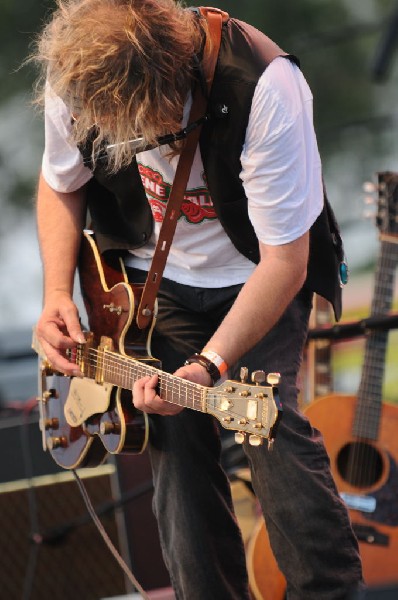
(387, 203)
(251, 410)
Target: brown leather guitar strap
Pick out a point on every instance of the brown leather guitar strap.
(145, 311)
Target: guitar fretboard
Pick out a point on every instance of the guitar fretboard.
(368, 412)
(124, 371)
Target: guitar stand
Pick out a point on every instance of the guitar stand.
(354, 328)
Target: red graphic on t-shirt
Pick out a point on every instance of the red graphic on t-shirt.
(194, 213)
(196, 206)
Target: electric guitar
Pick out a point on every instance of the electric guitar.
(361, 433)
(84, 419)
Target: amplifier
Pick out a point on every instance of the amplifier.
(50, 547)
(48, 543)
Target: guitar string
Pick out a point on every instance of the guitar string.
(193, 397)
(117, 366)
(367, 419)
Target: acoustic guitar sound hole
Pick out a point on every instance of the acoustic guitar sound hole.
(360, 464)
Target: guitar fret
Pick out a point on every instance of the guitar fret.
(124, 371)
(368, 411)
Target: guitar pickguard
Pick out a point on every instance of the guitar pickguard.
(386, 511)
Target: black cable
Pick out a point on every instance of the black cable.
(130, 576)
(57, 534)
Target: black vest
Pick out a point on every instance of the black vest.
(118, 206)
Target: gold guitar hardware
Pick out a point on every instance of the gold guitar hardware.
(56, 442)
(226, 404)
(239, 437)
(108, 427)
(273, 378)
(258, 377)
(51, 423)
(255, 440)
(229, 389)
(228, 419)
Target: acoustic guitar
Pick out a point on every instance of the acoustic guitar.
(361, 432)
(84, 419)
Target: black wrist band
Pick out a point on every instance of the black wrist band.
(210, 367)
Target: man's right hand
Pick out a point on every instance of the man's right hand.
(59, 330)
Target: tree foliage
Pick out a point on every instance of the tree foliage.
(335, 43)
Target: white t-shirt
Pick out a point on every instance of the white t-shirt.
(281, 175)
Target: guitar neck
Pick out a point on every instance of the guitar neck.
(124, 371)
(367, 417)
(248, 409)
(316, 375)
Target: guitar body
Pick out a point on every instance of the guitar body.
(111, 303)
(367, 471)
(70, 447)
(377, 531)
(84, 418)
(265, 579)
(120, 428)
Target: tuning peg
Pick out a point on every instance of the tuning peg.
(255, 440)
(258, 377)
(239, 437)
(370, 213)
(369, 187)
(369, 200)
(273, 378)
(244, 373)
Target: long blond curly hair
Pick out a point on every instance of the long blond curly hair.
(124, 66)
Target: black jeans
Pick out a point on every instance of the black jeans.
(306, 520)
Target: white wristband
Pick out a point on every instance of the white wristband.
(215, 359)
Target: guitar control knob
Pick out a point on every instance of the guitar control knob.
(108, 427)
(49, 394)
(51, 424)
(56, 442)
(46, 395)
(239, 437)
